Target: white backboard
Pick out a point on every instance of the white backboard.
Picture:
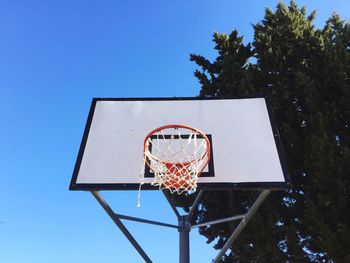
(246, 151)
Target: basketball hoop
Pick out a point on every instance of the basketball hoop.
(177, 155)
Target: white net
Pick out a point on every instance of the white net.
(176, 155)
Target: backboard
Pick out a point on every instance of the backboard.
(245, 149)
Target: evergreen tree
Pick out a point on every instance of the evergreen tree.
(306, 74)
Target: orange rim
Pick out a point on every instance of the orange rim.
(176, 126)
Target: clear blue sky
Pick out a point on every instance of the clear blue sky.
(55, 56)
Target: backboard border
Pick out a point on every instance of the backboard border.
(210, 186)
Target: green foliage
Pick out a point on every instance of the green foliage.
(306, 74)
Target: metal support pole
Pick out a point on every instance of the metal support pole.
(184, 239)
(242, 224)
(219, 221)
(146, 221)
(184, 225)
(195, 204)
(167, 196)
(117, 221)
